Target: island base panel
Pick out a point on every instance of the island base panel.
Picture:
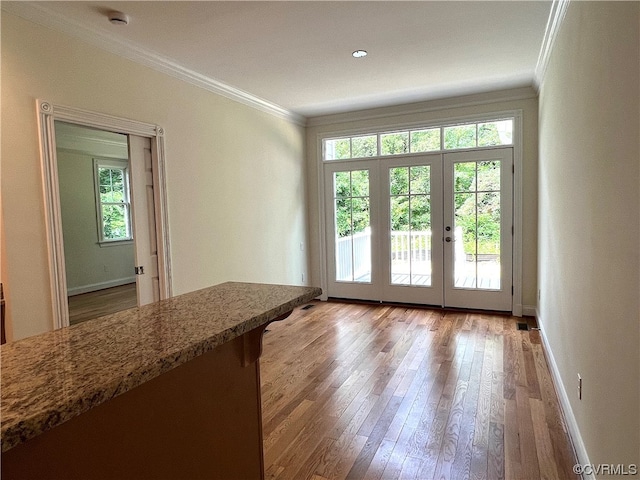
(199, 420)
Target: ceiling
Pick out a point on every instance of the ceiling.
(296, 55)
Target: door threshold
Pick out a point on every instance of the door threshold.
(423, 306)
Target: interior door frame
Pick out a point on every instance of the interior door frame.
(48, 113)
(517, 114)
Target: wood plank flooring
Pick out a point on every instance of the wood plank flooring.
(352, 391)
(102, 302)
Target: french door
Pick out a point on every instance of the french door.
(411, 250)
(478, 238)
(353, 229)
(432, 229)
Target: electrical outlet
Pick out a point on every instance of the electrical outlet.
(579, 387)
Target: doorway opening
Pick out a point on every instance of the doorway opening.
(433, 229)
(97, 183)
(423, 216)
(105, 205)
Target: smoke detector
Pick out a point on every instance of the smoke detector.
(118, 18)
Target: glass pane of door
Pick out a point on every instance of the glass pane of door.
(410, 225)
(352, 222)
(477, 225)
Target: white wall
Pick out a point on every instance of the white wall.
(589, 230)
(235, 175)
(429, 112)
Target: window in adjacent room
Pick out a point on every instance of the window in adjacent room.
(113, 203)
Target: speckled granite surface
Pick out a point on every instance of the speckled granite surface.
(50, 378)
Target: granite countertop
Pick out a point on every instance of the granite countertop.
(50, 378)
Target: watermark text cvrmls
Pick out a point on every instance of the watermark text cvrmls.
(605, 469)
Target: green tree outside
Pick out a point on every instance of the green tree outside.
(351, 202)
(112, 198)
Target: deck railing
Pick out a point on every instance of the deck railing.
(353, 256)
(353, 252)
(411, 258)
(413, 245)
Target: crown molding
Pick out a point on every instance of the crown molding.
(513, 94)
(556, 17)
(37, 13)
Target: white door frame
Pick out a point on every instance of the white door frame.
(517, 307)
(48, 113)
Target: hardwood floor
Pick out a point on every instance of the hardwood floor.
(380, 392)
(102, 302)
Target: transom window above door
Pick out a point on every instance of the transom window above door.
(489, 133)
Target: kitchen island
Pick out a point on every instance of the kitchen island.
(168, 390)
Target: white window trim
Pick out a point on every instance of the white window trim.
(121, 164)
(517, 145)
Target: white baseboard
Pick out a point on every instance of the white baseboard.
(529, 310)
(99, 286)
(565, 405)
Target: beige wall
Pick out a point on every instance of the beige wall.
(430, 112)
(589, 223)
(3, 273)
(235, 175)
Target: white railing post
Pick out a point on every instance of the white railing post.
(353, 255)
(353, 252)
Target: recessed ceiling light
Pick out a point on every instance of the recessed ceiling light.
(118, 18)
(359, 53)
